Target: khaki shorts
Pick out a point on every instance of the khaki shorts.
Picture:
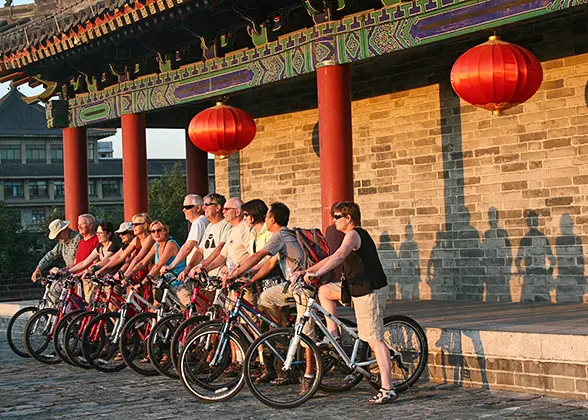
(370, 324)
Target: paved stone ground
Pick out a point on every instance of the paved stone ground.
(29, 390)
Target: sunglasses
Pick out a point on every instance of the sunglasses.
(156, 230)
(137, 223)
(124, 233)
(338, 216)
(229, 208)
(190, 207)
(210, 203)
(245, 214)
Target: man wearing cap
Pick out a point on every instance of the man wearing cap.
(65, 248)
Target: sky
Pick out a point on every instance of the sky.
(161, 143)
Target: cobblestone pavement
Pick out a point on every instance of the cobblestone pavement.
(30, 390)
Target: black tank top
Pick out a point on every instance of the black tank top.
(362, 268)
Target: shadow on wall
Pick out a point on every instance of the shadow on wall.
(408, 269)
(389, 259)
(497, 254)
(457, 368)
(570, 281)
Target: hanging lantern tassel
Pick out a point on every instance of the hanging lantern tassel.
(222, 130)
(496, 75)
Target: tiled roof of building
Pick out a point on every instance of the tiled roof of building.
(104, 168)
(18, 119)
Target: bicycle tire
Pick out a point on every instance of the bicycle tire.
(337, 376)
(133, 343)
(99, 347)
(15, 330)
(407, 363)
(46, 318)
(204, 382)
(159, 344)
(176, 343)
(59, 335)
(72, 339)
(279, 339)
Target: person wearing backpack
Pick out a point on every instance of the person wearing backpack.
(362, 275)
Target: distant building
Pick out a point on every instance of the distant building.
(31, 162)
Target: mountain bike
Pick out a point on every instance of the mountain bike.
(404, 336)
(40, 329)
(15, 329)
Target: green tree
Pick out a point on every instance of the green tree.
(20, 248)
(166, 195)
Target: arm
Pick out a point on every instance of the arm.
(219, 261)
(47, 259)
(145, 249)
(182, 254)
(262, 270)
(350, 242)
(86, 263)
(140, 264)
(116, 259)
(169, 251)
(213, 256)
(247, 264)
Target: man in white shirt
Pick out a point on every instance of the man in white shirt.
(194, 212)
(214, 237)
(236, 248)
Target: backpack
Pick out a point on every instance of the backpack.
(314, 247)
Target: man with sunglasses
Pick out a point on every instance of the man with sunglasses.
(214, 237)
(194, 213)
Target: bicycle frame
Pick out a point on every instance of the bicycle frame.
(310, 313)
(242, 310)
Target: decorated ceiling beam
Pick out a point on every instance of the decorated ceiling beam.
(42, 43)
(350, 39)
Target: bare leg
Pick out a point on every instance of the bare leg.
(328, 299)
(382, 354)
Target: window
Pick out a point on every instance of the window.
(110, 187)
(90, 151)
(92, 188)
(58, 188)
(38, 188)
(36, 153)
(13, 189)
(37, 216)
(10, 153)
(56, 153)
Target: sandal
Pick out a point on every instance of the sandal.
(287, 380)
(265, 378)
(384, 396)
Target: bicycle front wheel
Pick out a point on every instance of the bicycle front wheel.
(133, 343)
(100, 343)
(159, 344)
(15, 330)
(204, 365)
(290, 388)
(39, 334)
(72, 338)
(59, 335)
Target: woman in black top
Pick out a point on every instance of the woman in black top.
(362, 275)
(105, 247)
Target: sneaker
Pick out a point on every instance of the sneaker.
(305, 385)
(384, 396)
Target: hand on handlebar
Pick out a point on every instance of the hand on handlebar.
(310, 277)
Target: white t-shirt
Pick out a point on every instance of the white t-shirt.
(214, 234)
(237, 246)
(197, 233)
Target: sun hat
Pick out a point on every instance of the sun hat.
(57, 226)
(124, 227)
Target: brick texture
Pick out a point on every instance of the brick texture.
(18, 286)
(462, 204)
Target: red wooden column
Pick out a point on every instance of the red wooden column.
(196, 169)
(336, 148)
(134, 161)
(75, 173)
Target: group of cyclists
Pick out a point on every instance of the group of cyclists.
(239, 242)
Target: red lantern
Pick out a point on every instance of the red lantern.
(496, 75)
(222, 130)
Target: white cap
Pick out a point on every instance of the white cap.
(124, 227)
(57, 226)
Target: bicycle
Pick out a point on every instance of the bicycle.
(15, 329)
(208, 351)
(159, 343)
(404, 336)
(40, 329)
(73, 328)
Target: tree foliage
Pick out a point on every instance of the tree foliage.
(166, 195)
